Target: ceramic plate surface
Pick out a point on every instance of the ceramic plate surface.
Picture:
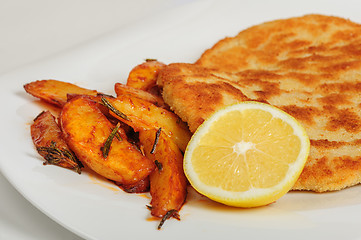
(95, 208)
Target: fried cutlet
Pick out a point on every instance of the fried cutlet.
(311, 44)
(308, 66)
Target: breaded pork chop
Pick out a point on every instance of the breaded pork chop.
(321, 91)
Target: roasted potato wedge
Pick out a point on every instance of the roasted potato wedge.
(54, 91)
(97, 98)
(138, 187)
(50, 144)
(144, 76)
(121, 89)
(143, 115)
(168, 184)
(87, 130)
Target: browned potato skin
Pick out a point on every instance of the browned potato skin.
(144, 76)
(44, 132)
(139, 187)
(54, 91)
(86, 129)
(97, 99)
(168, 185)
(144, 115)
(121, 89)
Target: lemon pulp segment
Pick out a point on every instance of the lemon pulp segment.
(246, 152)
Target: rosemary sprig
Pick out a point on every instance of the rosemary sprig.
(56, 156)
(106, 147)
(157, 134)
(71, 156)
(113, 109)
(171, 213)
(159, 165)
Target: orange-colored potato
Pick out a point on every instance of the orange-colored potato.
(86, 130)
(144, 76)
(138, 187)
(168, 184)
(50, 144)
(121, 89)
(54, 91)
(144, 115)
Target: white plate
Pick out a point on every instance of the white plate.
(96, 209)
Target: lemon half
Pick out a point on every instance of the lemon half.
(246, 155)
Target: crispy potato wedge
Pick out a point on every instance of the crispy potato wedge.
(121, 89)
(168, 184)
(143, 115)
(54, 91)
(50, 144)
(138, 187)
(96, 98)
(86, 130)
(144, 76)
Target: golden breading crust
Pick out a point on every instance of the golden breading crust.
(195, 99)
(308, 66)
(307, 44)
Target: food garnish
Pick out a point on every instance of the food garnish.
(56, 156)
(156, 140)
(106, 147)
(246, 155)
(171, 213)
(113, 109)
(159, 165)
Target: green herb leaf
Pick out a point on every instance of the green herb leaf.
(157, 134)
(55, 156)
(113, 109)
(171, 213)
(106, 147)
(159, 165)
